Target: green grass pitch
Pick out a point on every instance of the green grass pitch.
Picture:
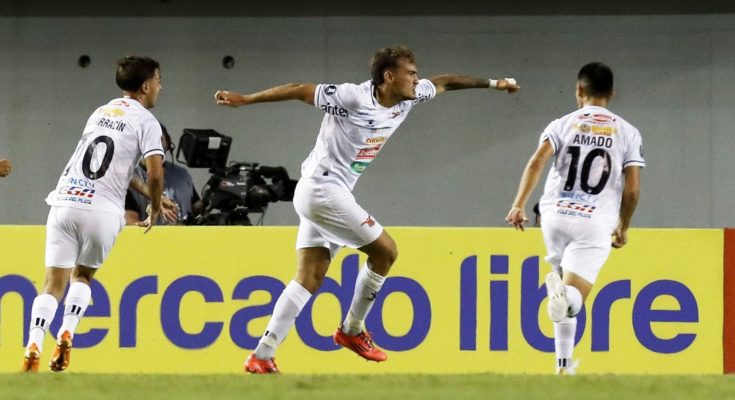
(69, 385)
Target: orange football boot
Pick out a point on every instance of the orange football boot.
(30, 362)
(61, 354)
(362, 344)
(257, 366)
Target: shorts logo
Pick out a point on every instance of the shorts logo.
(330, 90)
(370, 223)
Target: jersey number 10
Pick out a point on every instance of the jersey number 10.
(584, 178)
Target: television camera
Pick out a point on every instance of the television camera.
(236, 189)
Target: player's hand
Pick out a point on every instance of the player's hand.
(620, 237)
(150, 221)
(169, 210)
(517, 217)
(226, 98)
(508, 84)
(5, 167)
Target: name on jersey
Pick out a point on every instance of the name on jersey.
(369, 153)
(115, 125)
(590, 140)
(334, 110)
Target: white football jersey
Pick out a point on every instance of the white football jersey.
(591, 146)
(98, 174)
(354, 129)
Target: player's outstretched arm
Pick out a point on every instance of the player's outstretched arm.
(631, 192)
(531, 175)
(289, 91)
(458, 82)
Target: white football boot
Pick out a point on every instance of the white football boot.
(558, 305)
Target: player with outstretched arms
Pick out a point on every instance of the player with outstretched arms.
(359, 119)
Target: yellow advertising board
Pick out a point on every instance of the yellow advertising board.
(458, 300)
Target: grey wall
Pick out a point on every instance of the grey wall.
(455, 161)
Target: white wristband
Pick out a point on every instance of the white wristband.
(493, 83)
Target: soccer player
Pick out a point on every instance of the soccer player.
(359, 119)
(87, 205)
(591, 192)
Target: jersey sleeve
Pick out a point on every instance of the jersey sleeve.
(337, 100)
(634, 151)
(149, 139)
(551, 133)
(425, 91)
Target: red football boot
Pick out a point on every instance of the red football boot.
(362, 344)
(258, 366)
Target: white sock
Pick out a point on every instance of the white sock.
(42, 314)
(574, 298)
(564, 331)
(288, 306)
(77, 301)
(367, 287)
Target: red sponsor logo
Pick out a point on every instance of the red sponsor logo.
(598, 118)
(368, 153)
(369, 221)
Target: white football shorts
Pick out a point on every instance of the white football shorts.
(578, 247)
(80, 237)
(330, 216)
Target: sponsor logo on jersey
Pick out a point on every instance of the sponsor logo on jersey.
(113, 112)
(368, 153)
(595, 129)
(75, 194)
(369, 221)
(330, 90)
(376, 140)
(598, 118)
(334, 110)
(358, 166)
(573, 208)
(394, 114)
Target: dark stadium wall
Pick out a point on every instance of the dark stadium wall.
(456, 160)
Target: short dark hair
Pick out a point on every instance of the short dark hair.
(387, 58)
(597, 79)
(132, 71)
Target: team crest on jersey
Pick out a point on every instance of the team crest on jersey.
(330, 90)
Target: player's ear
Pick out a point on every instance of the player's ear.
(580, 91)
(388, 75)
(144, 87)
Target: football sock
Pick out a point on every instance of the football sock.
(564, 331)
(77, 301)
(367, 287)
(574, 298)
(42, 314)
(287, 308)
